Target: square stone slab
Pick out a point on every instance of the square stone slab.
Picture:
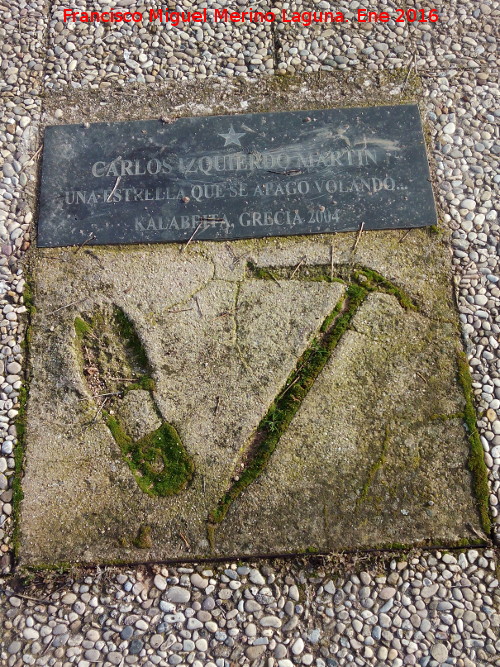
(292, 395)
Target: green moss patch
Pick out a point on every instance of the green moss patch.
(159, 461)
(373, 281)
(143, 539)
(114, 363)
(374, 469)
(369, 279)
(20, 445)
(475, 462)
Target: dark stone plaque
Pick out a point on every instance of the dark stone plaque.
(234, 177)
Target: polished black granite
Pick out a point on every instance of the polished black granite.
(234, 177)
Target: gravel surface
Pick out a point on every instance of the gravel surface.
(428, 610)
(417, 610)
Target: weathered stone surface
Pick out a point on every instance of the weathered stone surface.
(221, 350)
(138, 412)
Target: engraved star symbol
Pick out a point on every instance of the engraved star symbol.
(232, 137)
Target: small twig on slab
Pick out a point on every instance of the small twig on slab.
(114, 188)
(477, 533)
(184, 539)
(90, 238)
(236, 258)
(99, 410)
(287, 388)
(113, 393)
(67, 305)
(184, 310)
(217, 402)
(203, 483)
(412, 66)
(232, 253)
(274, 277)
(298, 266)
(123, 379)
(192, 236)
(358, 236)
(198, 306)
(331, 261)
(405, 235)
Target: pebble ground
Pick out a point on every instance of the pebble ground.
(419, 608)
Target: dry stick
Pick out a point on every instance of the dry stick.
(33, 158)
(231, 252)
(114, 188)
(28, 597)
(68, 305)
(405, 235)
(331, 262)
(198, 306)
(184, 539)
(216, 410)
(184, 310)
(292, 383)
(274, 278)
(482, 536)
(358, 237)
(413, 64)
(298, 266)
(113, 393)
(236, 258)
(90, 238)
(49, 644)
(192, 236)
(287, 388)
(99, 410)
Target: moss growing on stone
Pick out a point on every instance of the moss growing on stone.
(144, 382)
(360, 281)
(369, 279)
(82, 328)
(143, 539)
(381, 459)
(475, 462)
(19, 447)
(373, 281)
(289, 400)
(114, 363)
(159, 461)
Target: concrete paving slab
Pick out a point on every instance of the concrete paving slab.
(374, 453)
